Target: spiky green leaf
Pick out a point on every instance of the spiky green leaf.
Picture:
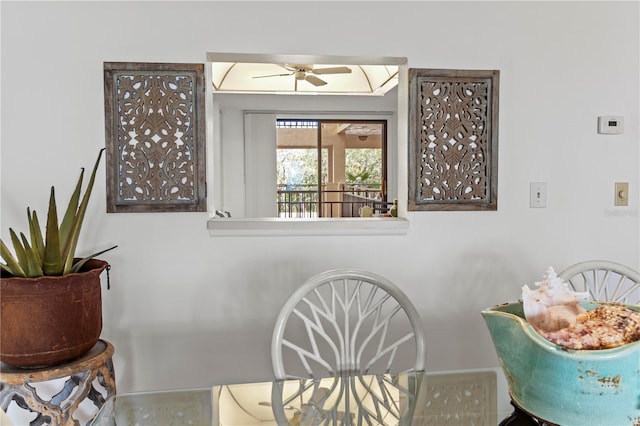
(12, 266)
(6, 269)
(52, 263)
(70, 248)
(66, 226)
(79, 264)
(37, 242)
(33, 262)
(18, 249)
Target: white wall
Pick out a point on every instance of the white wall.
(186, 309)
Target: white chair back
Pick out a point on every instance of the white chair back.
(605, 281)
(347, 321)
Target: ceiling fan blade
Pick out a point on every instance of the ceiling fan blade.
(273, 75)
(289, 67)
(332, 70)
(315, 80)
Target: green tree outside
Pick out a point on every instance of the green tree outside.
(299, 167)
(364, 167)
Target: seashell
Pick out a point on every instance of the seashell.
(553, 305)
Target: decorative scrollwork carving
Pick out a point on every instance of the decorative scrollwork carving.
(89, 379)
(155, 118)
(454, 137)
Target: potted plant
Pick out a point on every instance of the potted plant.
(51, 306)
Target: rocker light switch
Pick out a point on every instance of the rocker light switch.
(621, 194)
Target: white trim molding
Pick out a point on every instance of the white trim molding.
(261, 226)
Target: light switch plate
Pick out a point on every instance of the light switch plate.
(621, 194)
(537, 194)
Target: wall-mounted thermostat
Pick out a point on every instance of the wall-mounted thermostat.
(610, 125)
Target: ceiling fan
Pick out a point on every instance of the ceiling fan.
(308, 73)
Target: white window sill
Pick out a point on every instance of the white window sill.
(223, 227)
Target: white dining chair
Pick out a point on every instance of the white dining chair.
(347, 321)
(604, 281)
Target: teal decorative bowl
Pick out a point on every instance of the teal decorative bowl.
(563, 386)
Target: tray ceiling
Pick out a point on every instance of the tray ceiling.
(302, 75)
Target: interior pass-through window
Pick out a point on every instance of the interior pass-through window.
(330, 168)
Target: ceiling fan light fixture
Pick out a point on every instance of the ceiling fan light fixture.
(307, 72)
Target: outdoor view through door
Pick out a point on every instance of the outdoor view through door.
(331, 168)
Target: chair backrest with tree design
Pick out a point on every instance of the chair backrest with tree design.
(604, 280)
(347, 321)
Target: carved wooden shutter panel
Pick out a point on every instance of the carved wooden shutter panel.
(155, 136)
(453, 139)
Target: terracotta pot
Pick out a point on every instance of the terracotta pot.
(50, 320)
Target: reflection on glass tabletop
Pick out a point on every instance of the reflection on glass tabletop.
(386, 399)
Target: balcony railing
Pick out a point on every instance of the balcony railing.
(299, 201)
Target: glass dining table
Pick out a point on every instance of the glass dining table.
(414, 398)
